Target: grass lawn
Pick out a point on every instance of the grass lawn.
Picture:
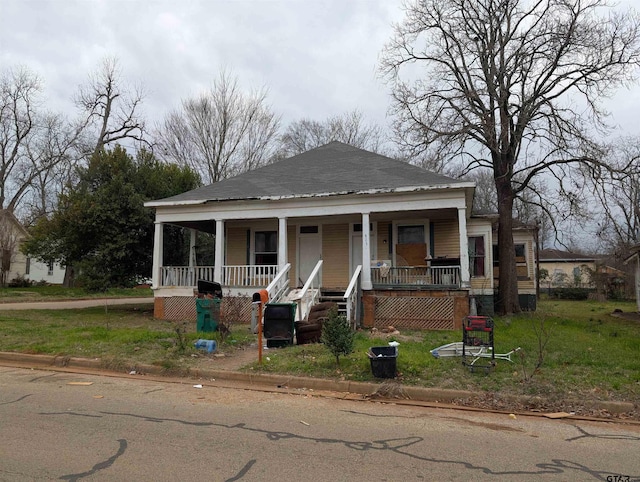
(589, 352)
(58, 293)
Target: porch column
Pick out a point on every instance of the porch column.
(464, 248)
(158, 240)
(366, 253)
(282, 242)
(219, 254)
(192, 248)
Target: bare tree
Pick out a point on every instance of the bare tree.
(221, 132)
(33, 143)
(349, 128)
(510, 85)
(618, 192)
(111, 108)
(19, 91)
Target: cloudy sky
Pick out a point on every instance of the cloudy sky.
(316, 57)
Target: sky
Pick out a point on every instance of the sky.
(317, 58)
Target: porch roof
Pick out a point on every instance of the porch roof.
(328, 170)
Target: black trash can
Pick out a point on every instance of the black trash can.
(279, 325)
(383, 361)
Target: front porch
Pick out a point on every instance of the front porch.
(250, 277)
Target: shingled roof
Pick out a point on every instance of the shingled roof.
(332, 169)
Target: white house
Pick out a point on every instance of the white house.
(380, 234)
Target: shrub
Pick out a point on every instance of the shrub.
(20, 282)
(337, 335)
(570, 293)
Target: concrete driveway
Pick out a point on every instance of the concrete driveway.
(71, 304)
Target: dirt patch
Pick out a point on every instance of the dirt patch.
(630, 315)
(228, 359)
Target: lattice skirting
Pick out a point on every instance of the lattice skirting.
(183, 308)
(415, 312)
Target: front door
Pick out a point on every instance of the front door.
(309, 251)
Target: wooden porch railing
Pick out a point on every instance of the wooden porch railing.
(416, 276)
(309, 294)
(352, 298)
(232, 275)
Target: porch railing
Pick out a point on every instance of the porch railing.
(434, 277)
(232, 275)
(309, 294)
(248, 275)
(279, 286)
(185, 276)
(352, 298)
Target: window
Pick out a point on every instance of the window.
(411, 234)
(357, 227)
(476, 256)
(50, 268)
(27, 268)
(266, 247)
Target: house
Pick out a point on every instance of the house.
(12, 262)
(634, 257)
(567, 269)
(51, 273)
(395, 243)
(17, 265)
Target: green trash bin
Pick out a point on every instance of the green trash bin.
(207, 314)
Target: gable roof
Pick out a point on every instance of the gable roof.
(332, 169)
(8, 215)
(635, 253)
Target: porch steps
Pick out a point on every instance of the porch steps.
(335, 296)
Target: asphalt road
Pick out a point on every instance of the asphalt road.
(75, 427)
(72, 304)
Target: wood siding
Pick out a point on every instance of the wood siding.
(446, 238)
(236, 246)
(382, 246)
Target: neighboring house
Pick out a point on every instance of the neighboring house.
(635, 259)
(566, 269)
(12, 261)
(17, 265)
(379, 234)
(39, 272)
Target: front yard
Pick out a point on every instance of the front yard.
(589, 354)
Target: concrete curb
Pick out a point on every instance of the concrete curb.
(430, 395)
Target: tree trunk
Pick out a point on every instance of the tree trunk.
(69, 277)
(507, 301)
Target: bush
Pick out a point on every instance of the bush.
(570, 293)
(20, 282)
(337, 334)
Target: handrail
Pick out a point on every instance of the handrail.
(278, 286)
(309, 293)
(352, 283)
(351, 297)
